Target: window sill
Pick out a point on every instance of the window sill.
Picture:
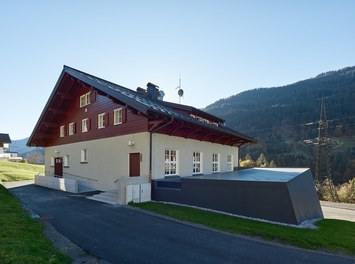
(197, 174)
(66, 167)
(83, 162)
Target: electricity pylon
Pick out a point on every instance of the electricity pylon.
(323, 173)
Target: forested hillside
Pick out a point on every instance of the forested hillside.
(285, 120)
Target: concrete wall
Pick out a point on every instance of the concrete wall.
(67, 185)
(302, 192)
(185, 148)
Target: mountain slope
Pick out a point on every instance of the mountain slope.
(277, 117)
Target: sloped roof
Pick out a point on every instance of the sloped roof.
(5, 138)
(143, 103)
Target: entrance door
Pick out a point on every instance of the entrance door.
(134, 164)
(58, 167)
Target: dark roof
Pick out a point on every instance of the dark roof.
(142, 103)
(5, 138)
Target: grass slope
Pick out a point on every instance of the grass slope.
(334, 236)
(16, 171)
(21, 238)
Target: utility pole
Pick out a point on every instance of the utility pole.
(323, 173)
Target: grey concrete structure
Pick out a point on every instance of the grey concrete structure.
(275, 194)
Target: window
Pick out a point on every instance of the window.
(215, 162)
(85, 125)
(230, 163)
(66, 161)
(101, 120)
(62, 131)
(52, 161)
(170, 162)
(117, 116)
(85, 99)
(84, 156)
(71, 129)
(197, 162)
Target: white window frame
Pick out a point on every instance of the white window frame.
(62, 131)
(117, 116)
(215, 162)
(101, 120)
(230, 166)
(66, 161)
(84, 156)
(171, 162)
(84, 125)
(52, 161)
(85, 99)
(71, 129)
(197, 162)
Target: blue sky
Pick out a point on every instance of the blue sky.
(220, 47)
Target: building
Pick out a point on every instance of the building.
(101, 134)
(5, 142)
(134, 146)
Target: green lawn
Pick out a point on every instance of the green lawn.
(333, 236)
(17, 171)
(21, 238)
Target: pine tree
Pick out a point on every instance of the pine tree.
(262, 161)
(248, 157)
(272, 164)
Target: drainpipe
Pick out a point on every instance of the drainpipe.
(151, 145)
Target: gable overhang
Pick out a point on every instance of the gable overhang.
(64, 93)
(203, 132)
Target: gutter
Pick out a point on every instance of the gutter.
(151, 145)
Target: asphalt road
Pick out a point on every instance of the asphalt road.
(123, 235)
(339, 211)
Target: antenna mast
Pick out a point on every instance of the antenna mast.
(180, 91)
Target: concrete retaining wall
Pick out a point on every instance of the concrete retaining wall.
(62, 184)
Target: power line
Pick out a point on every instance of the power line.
(298, 125)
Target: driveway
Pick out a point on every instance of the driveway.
(122, 235)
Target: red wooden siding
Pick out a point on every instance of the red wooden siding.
(132, 122)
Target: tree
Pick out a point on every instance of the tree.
(272, 164)
(248, 157)
(247, 163)
(262, 161)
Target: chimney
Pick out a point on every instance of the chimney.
(152, 91)
(141, 91)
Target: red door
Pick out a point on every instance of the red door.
(134, 164)
(58, 167)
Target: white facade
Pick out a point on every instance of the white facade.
(108, 158)
(185, 149)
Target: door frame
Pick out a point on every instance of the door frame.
(58, 167)
(137, 164)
